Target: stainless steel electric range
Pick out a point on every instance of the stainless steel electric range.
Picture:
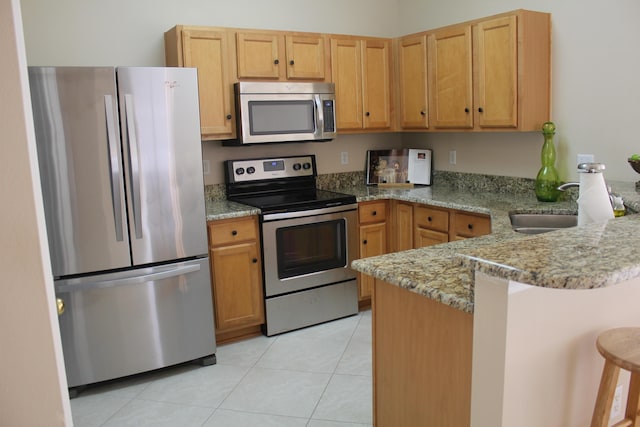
(309, 238)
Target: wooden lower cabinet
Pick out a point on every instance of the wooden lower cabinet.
(236, 278)
(422, 354)
(373, 240)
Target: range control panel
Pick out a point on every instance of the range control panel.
(271, 168)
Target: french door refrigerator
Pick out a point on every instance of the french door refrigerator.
(120, 162)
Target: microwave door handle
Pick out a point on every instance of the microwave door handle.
(319, 114)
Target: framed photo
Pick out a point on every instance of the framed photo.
(398, 166)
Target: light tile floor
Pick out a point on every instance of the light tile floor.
(315, 377)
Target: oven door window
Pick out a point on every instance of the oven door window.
(277, 117)
(311, 248)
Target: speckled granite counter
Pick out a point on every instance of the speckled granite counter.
(583, 257)
(223, 209)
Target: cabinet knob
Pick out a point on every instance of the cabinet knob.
(60, 306)
(466, 110)
(228, 116)
(277, 61)
(367, 114)
(234, 232)
(429, 219)
(364, 242)
(470, 226)
(374, 213)
(423, 113)
(480, 110)
(255, 260)
(291, 62)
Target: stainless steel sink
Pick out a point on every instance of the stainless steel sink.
(536, 223)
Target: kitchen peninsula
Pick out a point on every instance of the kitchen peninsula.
(499, 330)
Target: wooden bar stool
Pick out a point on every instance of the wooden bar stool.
(620, 348)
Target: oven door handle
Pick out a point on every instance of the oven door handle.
(311, 212)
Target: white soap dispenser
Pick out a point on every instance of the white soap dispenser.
(594, 204)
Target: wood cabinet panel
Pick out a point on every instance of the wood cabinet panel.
(373, 242)
(258, 55)
(346, 72)
(466, 225)
(402, 226)
(369, 212)
(451, 78)
(208, 50)
(412, 79)
(231, 232)
(425, 237)
(306, 57)
(432, 218)
(376, 81)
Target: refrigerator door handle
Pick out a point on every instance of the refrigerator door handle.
(135, 166)
(115, 165)
(165, 274)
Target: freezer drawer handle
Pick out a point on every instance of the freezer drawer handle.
(114, 162)
(178, 271)
(135, 168)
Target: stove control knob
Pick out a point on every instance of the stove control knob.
(251, 170)
(240, 171)
(296, 166)
(306, 165)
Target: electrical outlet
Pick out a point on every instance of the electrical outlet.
(452, 157)
(205, 167)
(585, 158)
(344, 158)
(616, 406)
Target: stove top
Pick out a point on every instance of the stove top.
(282, 184)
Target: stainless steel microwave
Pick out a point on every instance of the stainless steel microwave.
(284, 112)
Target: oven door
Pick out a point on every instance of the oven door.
(313, 249)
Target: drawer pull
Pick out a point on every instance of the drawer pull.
(255, 260)
(234, 232)
(364, 242)
(470, 226)
(429, 219)
(374, 213)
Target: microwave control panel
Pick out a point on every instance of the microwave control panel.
(329, 115)
(271, 168)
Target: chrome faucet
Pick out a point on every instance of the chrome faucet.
(568, 185)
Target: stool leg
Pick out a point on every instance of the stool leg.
(633, 401)
(608, 382)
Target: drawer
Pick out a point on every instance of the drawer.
(431, 218)
(225, 232)
(372, 212)
(467, 225)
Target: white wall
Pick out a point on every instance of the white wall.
(596, 88)
(34, 387)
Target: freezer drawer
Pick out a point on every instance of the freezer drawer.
(120, 324)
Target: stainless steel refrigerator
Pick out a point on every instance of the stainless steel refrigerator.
(120, 163)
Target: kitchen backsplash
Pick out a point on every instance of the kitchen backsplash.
(467, 181)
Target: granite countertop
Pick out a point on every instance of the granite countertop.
(589, 256)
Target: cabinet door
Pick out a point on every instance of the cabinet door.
(237, 286)
(346, 74)
(258, 55)
(497, 73)
(426, 237)
(208, 52)
(466, 225)
(450, 76)
(373, 241)
(403, 226)
(376, 81)
(412, 61)
(305, 57)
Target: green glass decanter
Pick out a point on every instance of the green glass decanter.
(547, 179)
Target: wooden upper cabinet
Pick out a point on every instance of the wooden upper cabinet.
(209, 51)
(258, 55)
(492, 74)
(361, 72)
(376, 80)
(451, 74)
(281, 56)
(346, 72)
(497, 73)
(412, 66)
(306, 57)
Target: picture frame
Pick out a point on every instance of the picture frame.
(399, 166)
